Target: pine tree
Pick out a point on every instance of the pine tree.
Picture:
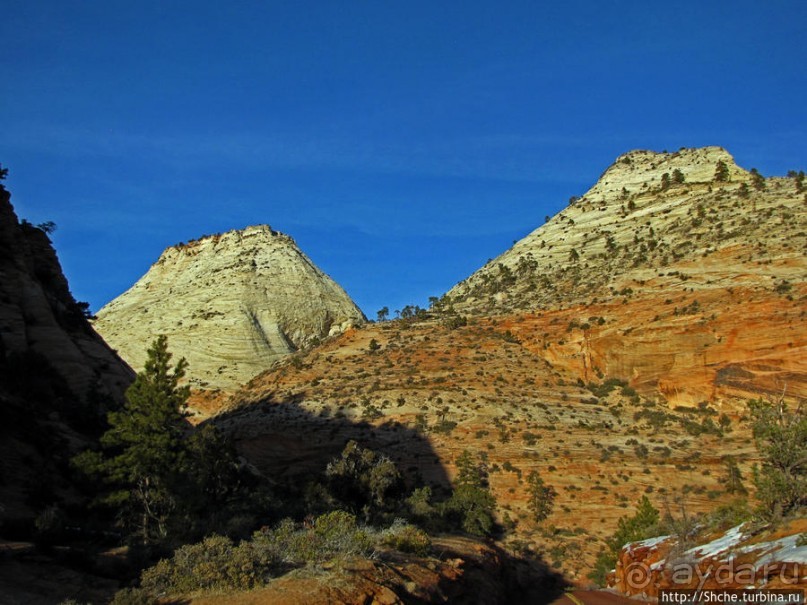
(642, 525)
(781, 437)
(734, 477)
(471, 505)
(541, 497)
(745, 191)
(143, 448)
(722, 174)
(757, 180)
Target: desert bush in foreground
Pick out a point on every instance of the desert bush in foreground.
(133, 596)
(364, 482)
(405, 537)
(214, 563)
(217, 563)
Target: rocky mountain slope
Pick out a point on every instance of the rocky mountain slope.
(431, 392)
(665, 235)
(611, 352)
(39, 316)
(652, 221)
(56, 373)
(231, 304)
(620, 371)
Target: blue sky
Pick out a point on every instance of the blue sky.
(402, 144)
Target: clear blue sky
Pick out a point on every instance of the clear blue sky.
(402, 144)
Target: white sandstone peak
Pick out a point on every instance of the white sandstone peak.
(231, 303)
(647, 212)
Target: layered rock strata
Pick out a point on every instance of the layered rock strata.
(652, 219)
(231, 304)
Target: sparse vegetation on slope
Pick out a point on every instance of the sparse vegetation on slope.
(618, 374)
(217, 563)
(625, 230)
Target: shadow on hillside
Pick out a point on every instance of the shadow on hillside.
(517, 580)
(290, 444)
(287, 442)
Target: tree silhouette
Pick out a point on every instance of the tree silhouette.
(757, 180)
(143, 448)
(3, 175)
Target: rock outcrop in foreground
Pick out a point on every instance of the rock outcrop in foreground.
(740, 558)
(231, 304)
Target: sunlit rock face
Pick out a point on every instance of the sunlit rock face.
(231, 304)
(703, 272)
(649, 216)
